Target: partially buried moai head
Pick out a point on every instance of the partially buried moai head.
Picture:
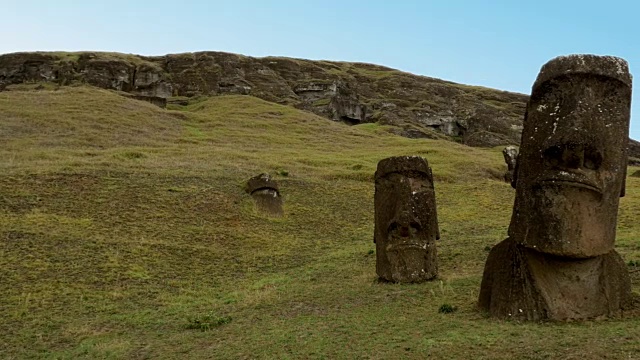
(406, 224)
(510, 154)
(266, 194)
(573, 156)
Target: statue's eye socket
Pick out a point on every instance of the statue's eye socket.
(553, 155)
(592, 159)
(573, 157)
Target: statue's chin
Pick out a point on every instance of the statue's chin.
(409, 261)
(568, 221)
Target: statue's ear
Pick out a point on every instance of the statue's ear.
(514, 178)
(431, 177)
(436, 213)
(623, 189)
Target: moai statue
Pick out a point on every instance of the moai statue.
(559, 262)
(406, 223)
(264, 191)
(510, 154)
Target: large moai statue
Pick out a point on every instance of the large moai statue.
(510, 154)
(266, 194)
(406, 223)
(559, 262)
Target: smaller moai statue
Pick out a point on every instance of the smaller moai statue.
(266, 194)
(406, 223)
(559, 261)
(510, 154)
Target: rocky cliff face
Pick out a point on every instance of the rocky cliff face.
(352, 93)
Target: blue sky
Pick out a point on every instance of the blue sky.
(498, 44)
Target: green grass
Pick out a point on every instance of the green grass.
(122, 225)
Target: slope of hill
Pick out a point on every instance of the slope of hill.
(353, 93)
(123, 224)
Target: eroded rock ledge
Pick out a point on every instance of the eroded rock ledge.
(352, 93)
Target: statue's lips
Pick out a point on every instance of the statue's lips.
(564, 178)
(266, 189)
(405, 246)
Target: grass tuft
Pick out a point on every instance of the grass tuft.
(447, 309)
(207, 322)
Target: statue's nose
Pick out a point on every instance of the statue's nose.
(404, 224)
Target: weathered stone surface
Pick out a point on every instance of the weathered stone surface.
(510, 154)
(406, 223)
(148, 81)
(559, 262)
(416, 133)
(447, 125)
(352, 93)
(127, 73)
(266, 194)
(345, 106)
(155, 100)
(107, 73)
(481, 138)
(575, 135)
(521, 283)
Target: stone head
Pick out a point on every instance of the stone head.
(262, 183)
(573, 155)
(510, 154)
(266, 194)
(406, 224)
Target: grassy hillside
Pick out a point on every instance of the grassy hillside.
(122, 225)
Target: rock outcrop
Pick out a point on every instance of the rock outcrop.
(127, 73)
(352, 93)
